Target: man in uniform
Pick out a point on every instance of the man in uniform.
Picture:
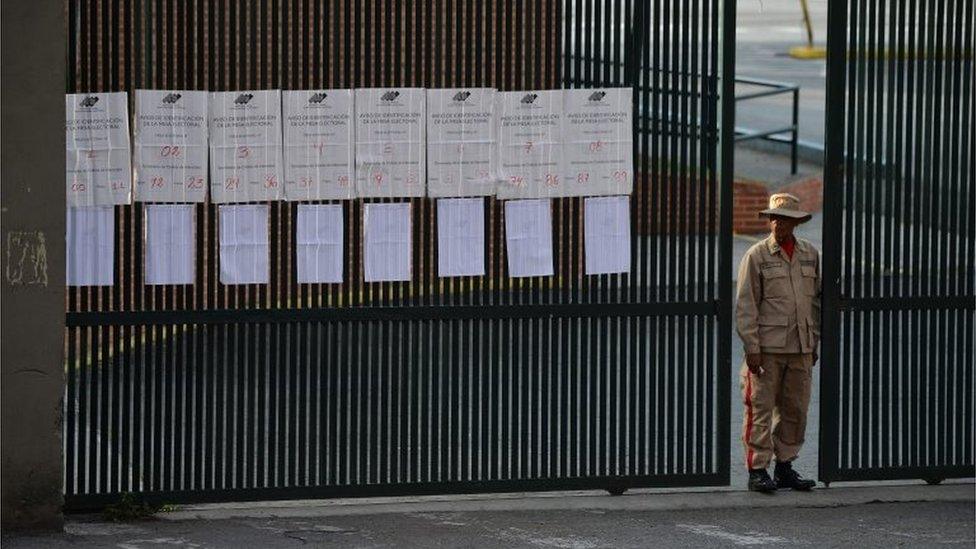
(778, 319)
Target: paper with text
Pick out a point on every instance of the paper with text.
(90, 243)
(170, 156)
(391, 142)
(461, 142)
(598, 153)
(529, 143)
(528, 236)
(460, 237)
(170, 244)
(244, 249)
(387, 242)
(319, 146)
(245, 146)
(319, 243)
(98, 169)
(607, 234)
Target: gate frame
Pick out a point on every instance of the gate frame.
(834, 303)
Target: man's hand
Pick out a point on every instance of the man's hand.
(754, 361)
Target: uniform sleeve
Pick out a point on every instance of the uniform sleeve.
(748, 297)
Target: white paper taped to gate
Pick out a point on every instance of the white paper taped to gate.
(387, 242)
(529, 143)
(607, 238)
(598, 152)
(460, 237)
(90, 240)
(170, 156)
(390, 142)
(244, 249)
(461, 142)
(319, 240)
(319, 144)
(170, 244)
(528, 237)
(98, 169)
(245, 146)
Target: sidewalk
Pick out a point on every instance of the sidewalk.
(874, 516)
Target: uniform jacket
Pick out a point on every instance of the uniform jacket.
(778, 299)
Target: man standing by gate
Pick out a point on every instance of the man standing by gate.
(778, 319)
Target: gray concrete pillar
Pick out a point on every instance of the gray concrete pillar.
(32, 46)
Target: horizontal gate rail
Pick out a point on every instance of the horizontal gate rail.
(617, 310)
(84, 503)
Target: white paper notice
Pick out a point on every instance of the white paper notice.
(460, 237)
(91, 245)
(244, 249)
(598, 154)
(528, 235)
(319, 243)
(529, 143)
(390, 142)
(319, 144)
(170, 246)
(607, 239)
(98, 170)
(387, 246)
(245, 146)
(461, 142)
(170, 134)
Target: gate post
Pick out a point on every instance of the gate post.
(832, 246)
(33, 220)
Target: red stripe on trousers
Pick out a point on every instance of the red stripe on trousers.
(748, 420)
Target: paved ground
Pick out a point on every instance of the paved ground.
(915, 516)
(765, 31)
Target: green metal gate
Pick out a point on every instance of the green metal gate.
(209, 392)
(897, 379)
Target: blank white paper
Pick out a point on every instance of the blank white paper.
(607, 238)
(91, 245)
(319, 243)
(244, 246)
(460, 237)
(528, 233)
(387, 242)
(170, 246)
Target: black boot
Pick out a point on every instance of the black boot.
(759, 481)
(786, 477)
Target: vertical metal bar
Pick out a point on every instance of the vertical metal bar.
(724, 379)
(833, 184)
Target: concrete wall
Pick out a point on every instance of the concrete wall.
(32, 292)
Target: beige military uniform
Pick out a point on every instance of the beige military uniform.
(778, 315)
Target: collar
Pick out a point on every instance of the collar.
(775, 248)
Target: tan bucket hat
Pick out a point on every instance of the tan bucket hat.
(785, 205)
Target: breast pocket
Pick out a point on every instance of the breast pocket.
(809, 280)
(776, 282)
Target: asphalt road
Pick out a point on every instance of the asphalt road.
(910, 524)
(765, 32)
